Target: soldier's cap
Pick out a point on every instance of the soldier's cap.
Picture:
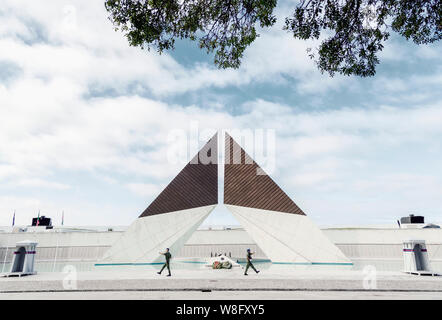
(248, 249)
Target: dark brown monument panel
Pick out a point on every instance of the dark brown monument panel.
(244, 187)
(195, 186)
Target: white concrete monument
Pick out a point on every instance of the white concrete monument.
(278, 226)
(174, 215)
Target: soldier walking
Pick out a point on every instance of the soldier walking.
(168, 256)
(249, 262)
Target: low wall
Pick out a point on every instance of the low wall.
(356, 244)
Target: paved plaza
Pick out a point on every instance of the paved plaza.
(277, 282)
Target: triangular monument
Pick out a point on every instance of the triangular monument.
(277, 225)
(175, 214)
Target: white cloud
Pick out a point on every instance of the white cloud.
(428, 52)
(128, 136)
(40, 183)
(76, 213)
(86, 103)
(93, 55)
(145, 189)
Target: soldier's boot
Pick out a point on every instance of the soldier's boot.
(162, 269)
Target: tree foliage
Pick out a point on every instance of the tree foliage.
(351, 32)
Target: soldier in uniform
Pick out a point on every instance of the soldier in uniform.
(249, 262)
(168, 256)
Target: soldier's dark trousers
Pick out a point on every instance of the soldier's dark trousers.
(165, 265)
(249, 264)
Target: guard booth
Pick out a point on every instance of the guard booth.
(24, 258)
(416, 258)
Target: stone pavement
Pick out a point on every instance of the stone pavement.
(271, 283)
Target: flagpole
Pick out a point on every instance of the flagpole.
(56, 249)
(38, 218)
(7, 248)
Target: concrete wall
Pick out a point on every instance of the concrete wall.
(63, 246)
(354, 243)
(91, 246)
(368, 243)
(234, 242)
(381, 236)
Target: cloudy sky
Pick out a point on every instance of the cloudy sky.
(86, 121)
